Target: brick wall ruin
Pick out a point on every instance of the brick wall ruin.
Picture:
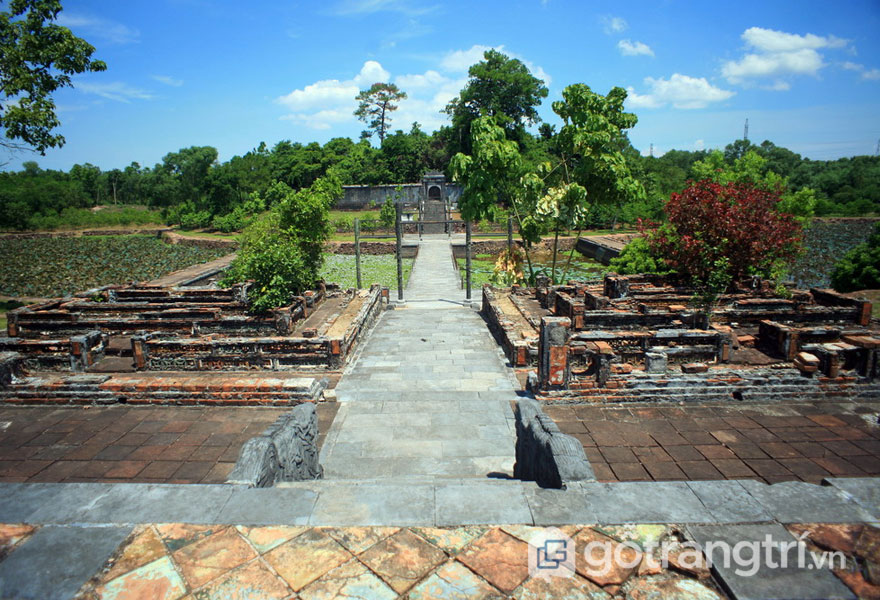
(640, 337)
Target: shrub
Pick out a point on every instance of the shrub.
(859, 269)
(736, 222)
(281, 252)
(636, 257)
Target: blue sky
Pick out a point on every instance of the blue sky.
(231, 74)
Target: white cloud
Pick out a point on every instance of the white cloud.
(327, 103)
(612, 25)
(628, 48)
(681, 91)
(115, 90)
(770, 40)
(777, 56)
(167, 80)
(366, 7)
(461, 60)
(867, 74)
(699, 145)
(97, 28)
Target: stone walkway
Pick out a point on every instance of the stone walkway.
(429, 396)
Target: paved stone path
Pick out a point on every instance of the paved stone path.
(429, 396)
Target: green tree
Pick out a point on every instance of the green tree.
(499, 87)
(281, 253)
(37, 57)
(375, 106)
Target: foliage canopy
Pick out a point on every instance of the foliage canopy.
(37, 57)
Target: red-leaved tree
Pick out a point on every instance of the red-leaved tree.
(735, 225)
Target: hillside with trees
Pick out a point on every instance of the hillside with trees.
(194, 189)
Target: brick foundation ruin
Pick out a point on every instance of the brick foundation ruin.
(152, 344)
(640, 338)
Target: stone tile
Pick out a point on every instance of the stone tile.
(307, 557)
(454, 581)
(359, 539)
(402, 559)
(178, 535)
(266, 538)
(145, 547)
(268, 506)
(351, 580)
(252, 580)
(644, 502)
(668, 585)
(481, 503)
(729, 502)
(865, 491)
(376, 504)
(798, 502)
(564, 588)
(208, 558)
(157, 579)
(603, 567)
(148, 503)
(11, 535)
(453, 539)
(765, 582)
(42, 568)
(559, 507)
(499, 558)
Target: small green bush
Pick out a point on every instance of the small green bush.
(859, 269)
(636, 257)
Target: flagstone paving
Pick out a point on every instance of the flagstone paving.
(178, 561)
(429, 395)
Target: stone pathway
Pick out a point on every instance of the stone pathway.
(429, 395)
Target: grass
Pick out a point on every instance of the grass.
(381, 269)
(483, 266)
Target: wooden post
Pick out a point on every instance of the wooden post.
(467, 245)
(509, 236)
(399, 235)
(357, 251)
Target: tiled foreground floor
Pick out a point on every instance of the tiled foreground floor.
(165, 444)
(169, 561)
(768, 442)
(200, 562)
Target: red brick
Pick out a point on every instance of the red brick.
(618, 454)
(664, 471)
(126, 469)
(602, 471)
(827, 420)
(684, 453)
(715, 451)
(700, 470)
(732, 468)
(838, 466)
(844, 448)
(162, 469)
(630, 471)
(768, 468)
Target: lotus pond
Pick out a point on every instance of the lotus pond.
(53, 267)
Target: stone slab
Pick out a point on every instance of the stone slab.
(799, 502)
(864, 490)
(344, 504)
(46, 502)
(644, 502)
(56, 561)
(757, 578)
(481, 503)
(136, 503)
(729, 502)
(269, 506)
(558, 507)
